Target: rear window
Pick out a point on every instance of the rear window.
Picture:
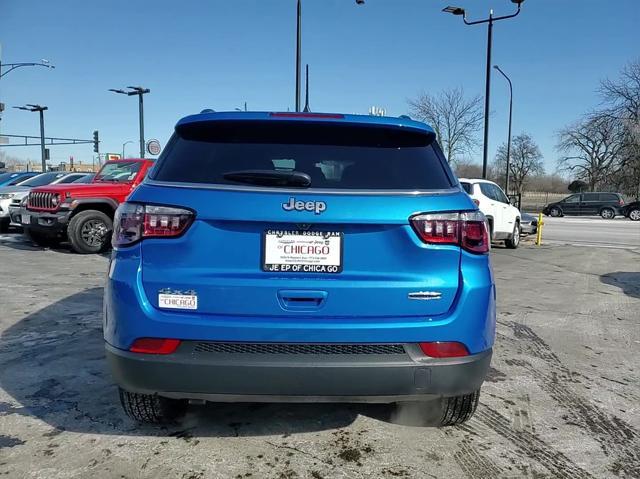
(334, 156)
(609, 197)
(42, 179)
(119, 172)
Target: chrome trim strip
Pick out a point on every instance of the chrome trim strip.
(425, 295)
(315, 191)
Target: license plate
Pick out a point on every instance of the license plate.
(26, 219)
(302, 251)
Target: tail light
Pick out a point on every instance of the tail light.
(154, 346)
(134, 222)
(444, 349)
(477, 202)
(467, 229)
(621, 202)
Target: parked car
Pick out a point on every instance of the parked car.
(11, 195)
(82, 213)
(607, 205)
(296, 257)
(13, 178)
(528, 224)
(88, 178)
(503, 218)
(632, 211)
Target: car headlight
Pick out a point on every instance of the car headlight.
(23, 203)
(55, 200)
(7, 196)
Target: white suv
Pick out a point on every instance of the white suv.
(504, 219)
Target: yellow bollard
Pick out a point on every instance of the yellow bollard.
(539, 232)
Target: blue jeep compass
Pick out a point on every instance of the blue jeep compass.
(299, 257)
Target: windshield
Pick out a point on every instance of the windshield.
(42, 179)
(303, 155)
(120, 172)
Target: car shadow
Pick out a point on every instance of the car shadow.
(19, 241)
(53, 366)
(628, 281)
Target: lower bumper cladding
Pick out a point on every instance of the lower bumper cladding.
(297, 372)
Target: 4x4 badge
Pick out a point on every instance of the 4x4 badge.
(316, 206)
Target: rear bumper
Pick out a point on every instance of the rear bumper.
(297, 378)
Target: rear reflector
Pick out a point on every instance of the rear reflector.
(444, 349)
(154, 346)
(467, 229)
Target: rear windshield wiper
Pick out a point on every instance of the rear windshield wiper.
(270, 178)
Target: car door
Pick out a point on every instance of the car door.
(590, 204)
(571, 205)
(492, 207)
(507, 214)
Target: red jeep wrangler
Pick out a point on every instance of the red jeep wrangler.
(83, 213)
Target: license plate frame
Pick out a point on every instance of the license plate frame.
(25, 219)
(320, 261)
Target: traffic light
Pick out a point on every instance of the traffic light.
(96, 142)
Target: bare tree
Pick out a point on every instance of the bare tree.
(455, 119)
(467, 169)
(526, 161)
(622, 104)
(592, 149)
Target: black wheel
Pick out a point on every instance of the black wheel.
(40, 239)
(514, 241)
(607, 213)
(90, 232)
(4, 225)
(150, 408)
(634, 214)
(445, 411)
(555, 212)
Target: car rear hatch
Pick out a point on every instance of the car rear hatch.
(264, 242)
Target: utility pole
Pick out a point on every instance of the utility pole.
(490, 21)
(306, 100)
(140, 91)
(506, 178)
(40, 109)
(298, 53)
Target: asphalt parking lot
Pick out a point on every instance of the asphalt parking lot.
(561, 400)
(619, 232)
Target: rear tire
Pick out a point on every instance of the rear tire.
(555, 212)
(459, 409)
(440, 412)
(150, 408)
(4, 225)
(514, 241)
(607, 213)
(634, 214)
(90, 232)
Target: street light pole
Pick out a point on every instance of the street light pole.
(506, 178)
(487, 94)
(489, 21)
(124, 144)
(298, 53)
(140, 91)
(141, 119)
(40, 109)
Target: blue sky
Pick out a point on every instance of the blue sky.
(218, 54)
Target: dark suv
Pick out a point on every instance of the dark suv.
(607, 205)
